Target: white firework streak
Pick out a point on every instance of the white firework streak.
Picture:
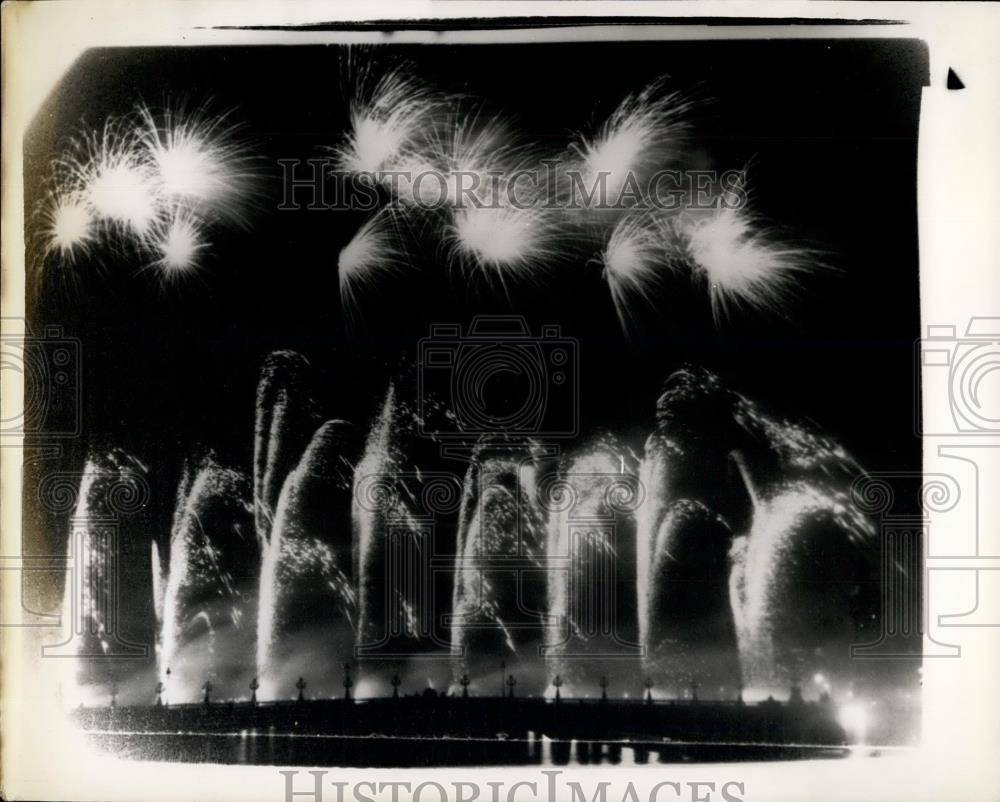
(68, 225)
(106, 171)
(646, 132)
(386, 114)
(460, 158)
(496, 222)
(197, 159)
(178, 243)
(147, 183)
(635, 262)
(745, 265)
(375, 250)
(503, 239)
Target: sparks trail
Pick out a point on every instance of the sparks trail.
(387, 114)
(494, 224)
(178, 244)
(645, 133)
(745, 264)
(375, 251)
(197, 159)
(106, 169)
(68, 225)
(459, 160)
(147, 185)
(635, 263)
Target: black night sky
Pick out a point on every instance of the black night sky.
(830, 130)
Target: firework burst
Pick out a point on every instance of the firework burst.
(375, 250)
(386, 116)
(495, 222)
(68, 225)
(178, 243)
(106, 172)
(745, 265)
(146, 184)
(459, 160)
(635, 261)
(646, 132)
(504, 239)
(196, 159)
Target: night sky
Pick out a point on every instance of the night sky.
(828, 127)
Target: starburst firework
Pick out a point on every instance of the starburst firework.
(635, 261)
(646, 132)
(68, 225)
(376, 249)
(197, 159)
(386, 116)
(746, 265)
(178, 243)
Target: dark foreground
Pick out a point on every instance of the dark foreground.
(456, 731)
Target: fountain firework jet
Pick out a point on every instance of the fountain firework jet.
(791, 616)
(635, 263)
(592, 503)
(387, 114)
(286, 417)
(208, 590)
(197, 160)
(685, 465)
(645, 133)
(107, 509)
(307, 604)
(716, 465)
(689, 631)
(500, 585)
(744, 264)
(401, 516)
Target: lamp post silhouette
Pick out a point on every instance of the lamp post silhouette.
(694, 690)
(395, 682)
(557, 683)
(649, 690)
(348, 682)
(301, 685)
(511, 682)
(159, 694)
(464, 682)
(254, 685)
(114, 693)
(166, 683)
(207, 688)
(604, 689)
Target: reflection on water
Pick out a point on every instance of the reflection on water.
(270, 748)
